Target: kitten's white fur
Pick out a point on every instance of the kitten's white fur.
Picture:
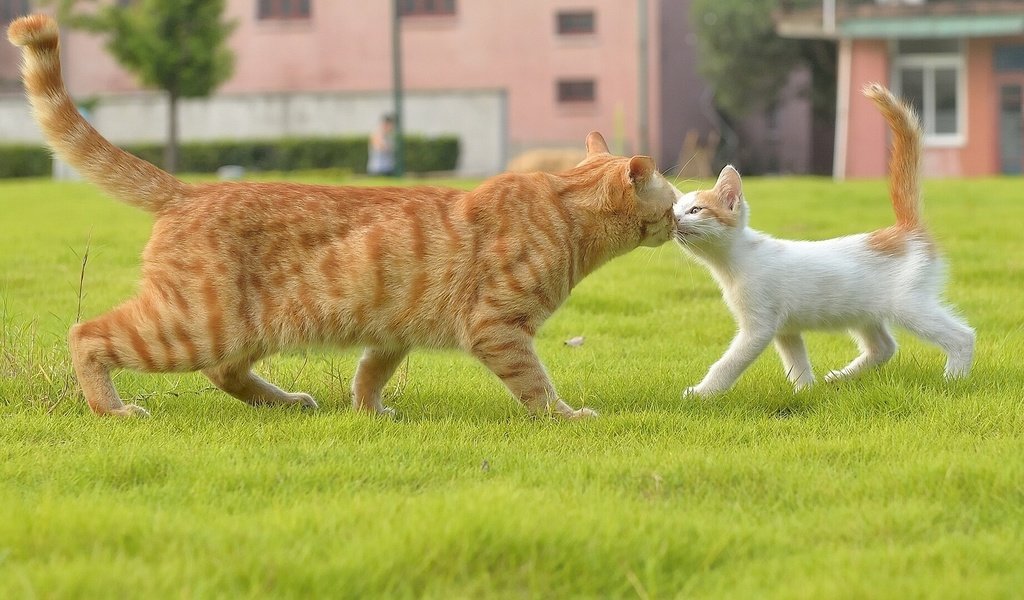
(778, 288)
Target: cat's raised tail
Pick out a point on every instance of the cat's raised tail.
(905, 160)
(118, 173)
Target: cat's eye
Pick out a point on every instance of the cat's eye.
(694, 210)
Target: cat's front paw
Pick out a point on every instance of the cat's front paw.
(583, 413)
(563, 410)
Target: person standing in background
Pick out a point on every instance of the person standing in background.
(382, 149)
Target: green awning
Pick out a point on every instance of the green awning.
(946, 26)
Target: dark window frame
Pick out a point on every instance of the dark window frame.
(576, 90)
(427, 8)
(576, 22)
(12, 9)
(284, 10)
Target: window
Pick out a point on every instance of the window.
(426, 7)
(930, 75)
(284, 9)
(1009, 58)
(576, 90)
(12, 9)
(575, 22)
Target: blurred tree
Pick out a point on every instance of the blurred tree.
(177, 46)
(748, 63)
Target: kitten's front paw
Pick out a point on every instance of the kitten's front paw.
(833, 376)
(800, 386)
(694, 391)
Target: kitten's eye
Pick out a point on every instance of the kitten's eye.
(694, 210)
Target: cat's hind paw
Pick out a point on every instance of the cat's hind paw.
(305, 401)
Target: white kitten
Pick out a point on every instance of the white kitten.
(865, 283)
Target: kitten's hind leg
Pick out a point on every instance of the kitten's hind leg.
(940, 327)
(876, 345)
(375, 369)
(508, 353)
(793, 353)
(237, 379)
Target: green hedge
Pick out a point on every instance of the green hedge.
(24, 161)
(292, 154)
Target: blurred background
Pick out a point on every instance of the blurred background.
(480, 86)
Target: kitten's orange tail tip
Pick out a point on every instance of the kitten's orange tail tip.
(33, 30)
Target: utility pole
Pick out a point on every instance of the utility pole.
(643, 126)
(396, 86)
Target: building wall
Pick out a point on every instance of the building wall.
(487, 45)
(866, 135)
(512, 46)
(686, 100)
(981, 156)
(977, 156)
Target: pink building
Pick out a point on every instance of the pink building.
(960, 62)
(565, 67)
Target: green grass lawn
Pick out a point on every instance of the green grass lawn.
(898, 484)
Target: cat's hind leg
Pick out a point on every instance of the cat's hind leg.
(237, 379)
(117, 339)
(941, 327)
(93, 357)
(795, 361)
(876, 345)
(375, 369)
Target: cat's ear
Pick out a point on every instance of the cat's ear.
(596, 144)
(729, 187)
(640, 168)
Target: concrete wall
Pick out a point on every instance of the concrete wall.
(478, 118)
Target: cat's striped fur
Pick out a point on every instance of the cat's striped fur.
(234, 272)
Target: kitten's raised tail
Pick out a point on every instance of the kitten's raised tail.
(905, 160)
(113, 170)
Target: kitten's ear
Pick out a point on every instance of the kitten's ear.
(596, 144)
(729, 187)
(640, 168)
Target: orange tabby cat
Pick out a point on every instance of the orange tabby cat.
(235, 272)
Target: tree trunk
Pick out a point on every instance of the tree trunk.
(171, 148)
